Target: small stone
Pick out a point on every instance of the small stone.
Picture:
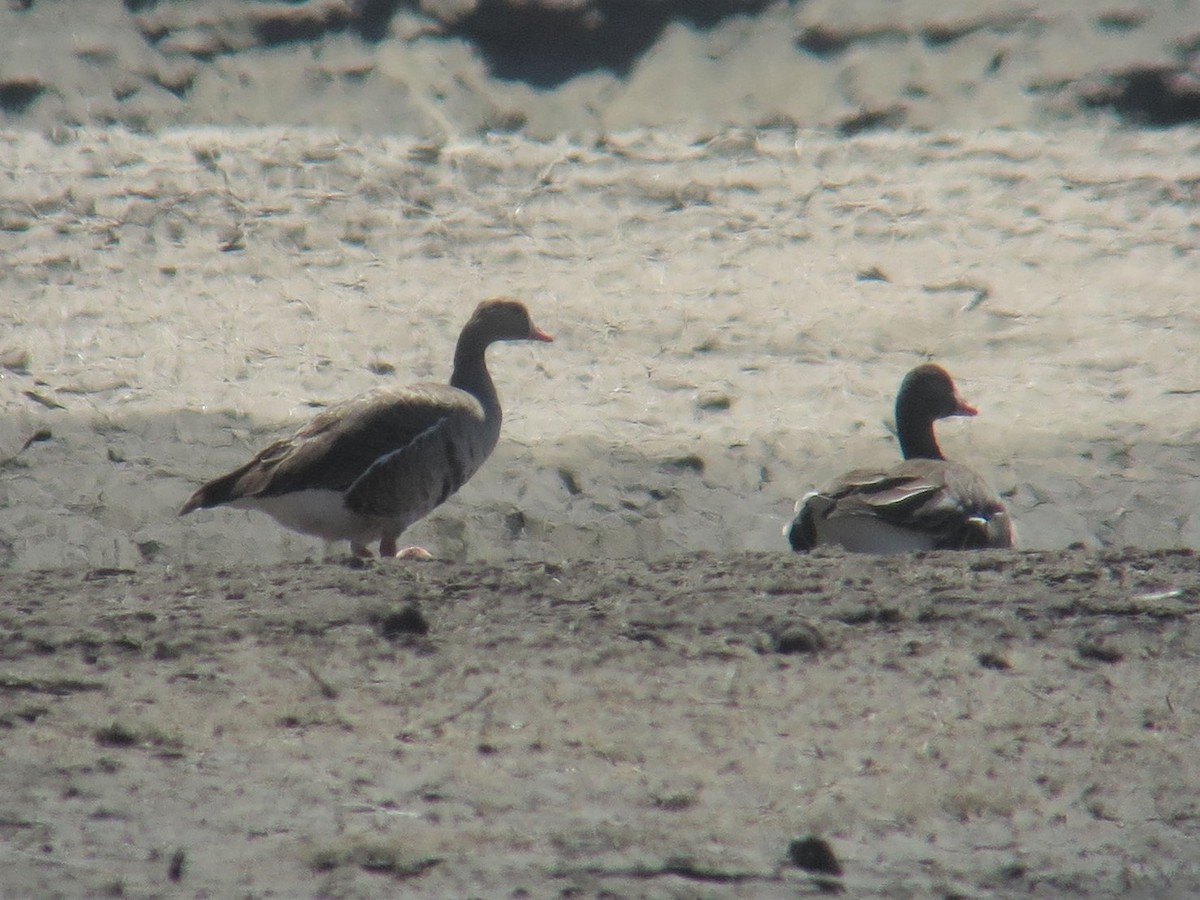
(800, 638)
(990, 660)
(813, 854)
(176, 864)
(417, 553)
(1099, 652)
(17, 93)
(874, 273)
(570, 481)
(711, 401)
(406, 620)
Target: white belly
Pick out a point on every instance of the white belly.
(867, 534)
(322, 514)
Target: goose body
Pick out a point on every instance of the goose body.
(925, 503)
(366, 469)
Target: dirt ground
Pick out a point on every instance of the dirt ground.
(1017, 724)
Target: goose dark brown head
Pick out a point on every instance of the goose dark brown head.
(926, 395)
(502, 319)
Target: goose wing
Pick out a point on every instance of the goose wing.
(340, 444)
(947, 503)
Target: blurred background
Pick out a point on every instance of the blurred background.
(445, 69)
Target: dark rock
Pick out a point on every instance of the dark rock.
(406, 620)
(1094, 650)
(826, 41)
(800, 638)
(1159, 96)
(175, 865)
(17, 94)
(813, 854)
(990, 660)
(873, 120)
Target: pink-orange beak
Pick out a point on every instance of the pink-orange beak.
(536, 334)
(963, 408)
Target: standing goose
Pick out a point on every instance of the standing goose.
(366, 469)
(924, 503)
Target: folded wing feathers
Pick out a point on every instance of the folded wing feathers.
(340, 444)
(418, 477)
(949, 502)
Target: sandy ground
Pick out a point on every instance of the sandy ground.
(732, 316)
(623, 685)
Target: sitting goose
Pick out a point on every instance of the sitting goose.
(924, 503)
(368, 468)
